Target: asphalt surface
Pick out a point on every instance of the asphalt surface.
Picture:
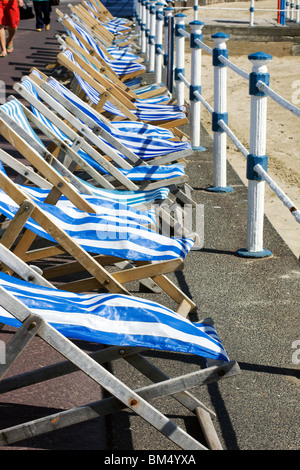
(254, 304)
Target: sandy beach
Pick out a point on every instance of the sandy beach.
(283, 136)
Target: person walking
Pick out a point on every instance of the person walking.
(10, 19)
(42, 9)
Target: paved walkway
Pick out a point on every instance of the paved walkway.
(255, 305)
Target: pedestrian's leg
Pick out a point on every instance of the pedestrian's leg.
(11, 34)
(38, 15)
(47, 11)
(3, 52)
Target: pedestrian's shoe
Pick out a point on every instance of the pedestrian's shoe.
(47, 27)
(39, 29)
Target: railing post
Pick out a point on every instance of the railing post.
(195, 86)
(257, 155)
(195, 10)
(143, 27)
(147, 29)
(139, 22)
(251, 9)
(220, 113)
(168, 11)
(151, 37)
(179, 68)
(158, 41)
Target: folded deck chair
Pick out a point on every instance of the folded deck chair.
(93, 242)
(36, 308)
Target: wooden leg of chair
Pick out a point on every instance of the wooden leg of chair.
(208, 429)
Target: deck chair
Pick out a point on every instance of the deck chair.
(97, 6)
(17, 130)
(89, 42)
(129, 145)
(158, 96)
(13, 114)
(122, 51)
(113, 33)
(92, 242)
(36, 308)
(183, 196)
(101, 12)
(105, 99)
(135, 146)
(113, 52)
(127, 70)
(150, 94)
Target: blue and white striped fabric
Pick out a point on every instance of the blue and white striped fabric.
(119, 67)
(117, 51)
(143, 146)
(130, 198)
(106, 235)
(125, 129)
(102, 207)
(113, 319)
(119, 55)
(142, 173)
(145, 112)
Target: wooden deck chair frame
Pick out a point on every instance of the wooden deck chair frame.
(11, 131)
(95, 25)
(122, 396)
(94, 57)
(34, 152)
(88, 13)
(99, 277)
(183, 196)
(47, 92)
(107, 96)
(103, 13)
(101, 31)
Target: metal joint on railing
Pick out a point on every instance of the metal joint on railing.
(177, 73)
(253, 160)
(216, 117)
(256, 77)
(193, 90)
(194, 37)
(216, 57)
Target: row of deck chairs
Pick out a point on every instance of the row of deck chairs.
(78, 229)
